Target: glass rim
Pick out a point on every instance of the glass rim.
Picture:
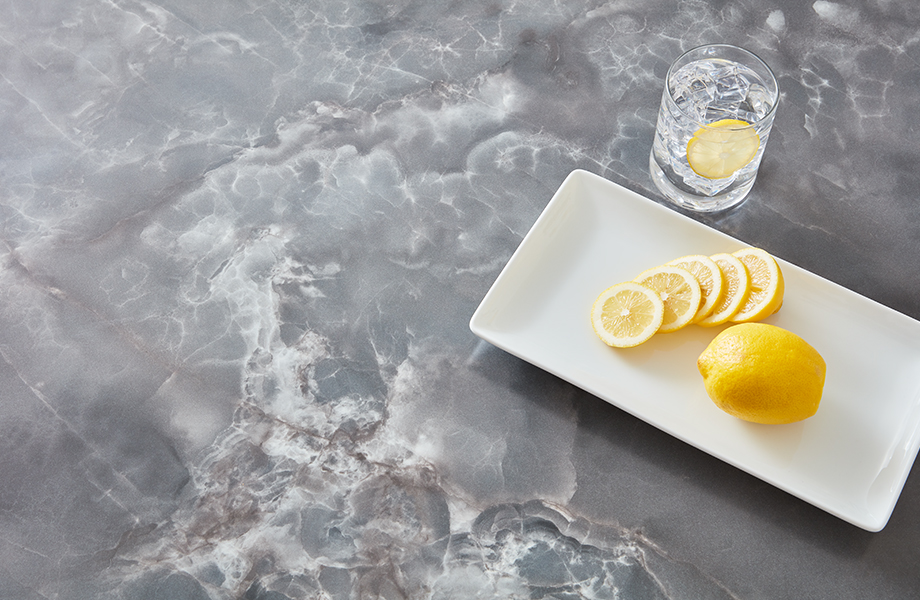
(770, 113)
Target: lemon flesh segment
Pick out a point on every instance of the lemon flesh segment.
(767, 285)
(763, 374)
(709, 276)
(680, 292)
(737, 289)
(627, 314)
(721, 148)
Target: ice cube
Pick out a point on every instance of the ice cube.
(758, 100)
(717, 112)
(747, 116)
(731, 86)
(692, 89)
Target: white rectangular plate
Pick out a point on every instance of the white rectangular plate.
(850, 459)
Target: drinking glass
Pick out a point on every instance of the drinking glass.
(716, 112)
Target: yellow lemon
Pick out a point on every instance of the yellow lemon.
(737, 288)
(762, 373)
(709, 276)
(680, 292)
(767, 285)
(627, 314)
(719, 149)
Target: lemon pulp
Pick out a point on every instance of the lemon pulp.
(767, 285)
(679, 290)
(710, 278)
(627, 314)
(737, 289)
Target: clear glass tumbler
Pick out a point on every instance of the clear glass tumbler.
(716, 112)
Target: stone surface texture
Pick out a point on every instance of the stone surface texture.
(241, 244)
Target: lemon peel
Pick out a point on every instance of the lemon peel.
(763, 374)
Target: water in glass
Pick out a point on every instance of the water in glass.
(705, 92)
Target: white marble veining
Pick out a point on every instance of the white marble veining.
(241, 244)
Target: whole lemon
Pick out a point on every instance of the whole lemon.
(762, 373)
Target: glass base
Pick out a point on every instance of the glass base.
(695, 202)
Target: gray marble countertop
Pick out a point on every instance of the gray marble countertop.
(242, 243)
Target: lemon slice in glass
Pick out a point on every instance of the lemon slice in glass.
(721, 148)
(627, 314)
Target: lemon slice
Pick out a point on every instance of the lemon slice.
(627, 314)
(767, 285)
(680, 292)
(721, 148)
(737, 289)
(709, 276)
